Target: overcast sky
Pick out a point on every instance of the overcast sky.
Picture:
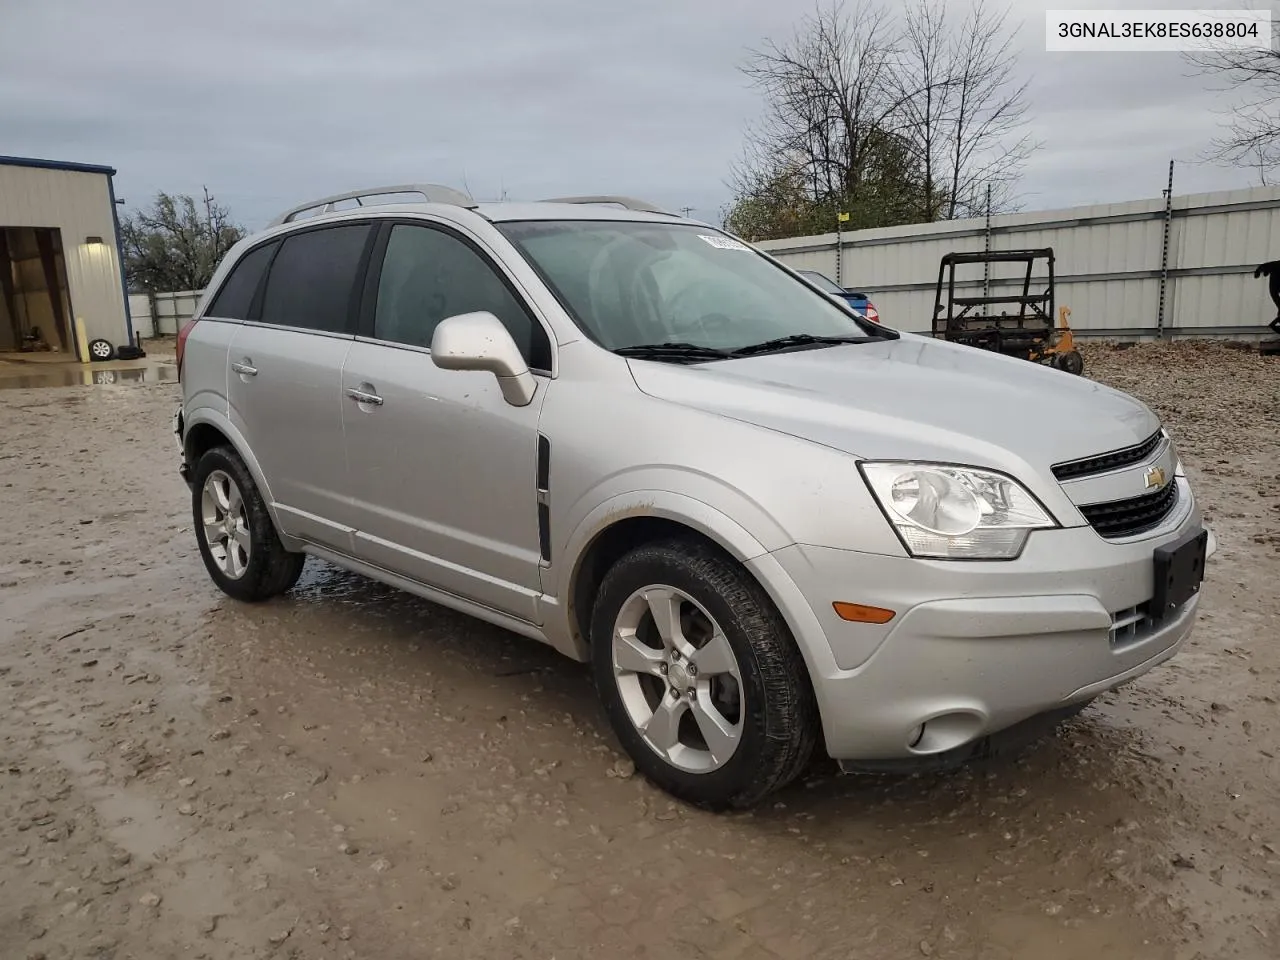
(270, 102)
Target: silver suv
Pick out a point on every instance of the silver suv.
(766, 522)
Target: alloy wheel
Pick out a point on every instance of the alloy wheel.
(678, 678)
(225, 524)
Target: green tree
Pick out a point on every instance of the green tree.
(174, 244)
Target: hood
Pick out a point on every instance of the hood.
(912, 398)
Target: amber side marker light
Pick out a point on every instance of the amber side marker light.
(858, 613)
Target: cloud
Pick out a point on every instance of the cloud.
(271, 103)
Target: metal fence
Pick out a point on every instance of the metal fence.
(162, 314)
(1180, 266)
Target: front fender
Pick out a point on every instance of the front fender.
(664, 505)
(729, 534)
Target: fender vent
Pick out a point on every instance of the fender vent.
(544, 498)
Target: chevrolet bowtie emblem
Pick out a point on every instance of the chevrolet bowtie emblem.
(1154, 478)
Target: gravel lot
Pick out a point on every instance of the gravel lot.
(351, 772)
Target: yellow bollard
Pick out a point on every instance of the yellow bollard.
(82, 340)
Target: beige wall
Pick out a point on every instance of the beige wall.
(78, 204)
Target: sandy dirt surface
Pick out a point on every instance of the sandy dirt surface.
(352, 772)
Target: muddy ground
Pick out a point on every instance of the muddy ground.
(352, 772)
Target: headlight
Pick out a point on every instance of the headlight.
(1177, 460)
(955, 513)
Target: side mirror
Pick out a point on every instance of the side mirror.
(479, 341)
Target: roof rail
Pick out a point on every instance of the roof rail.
(630, 203)
(430, 192)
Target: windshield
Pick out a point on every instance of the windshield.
(631, 284)
(821, 282)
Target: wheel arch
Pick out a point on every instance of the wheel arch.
(205, 429)
(623, 523)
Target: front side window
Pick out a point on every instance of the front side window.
(313, 279)
(234, 299)
(631, 284)
(429, 275)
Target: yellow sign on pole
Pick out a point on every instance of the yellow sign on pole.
(842, 217)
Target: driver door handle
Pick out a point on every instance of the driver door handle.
(363, 396)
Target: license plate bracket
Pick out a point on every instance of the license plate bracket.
(1179, 571)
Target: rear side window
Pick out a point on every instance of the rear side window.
(313, 279)
(233, 300)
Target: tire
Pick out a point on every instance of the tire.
(101, 350)
(1071, 362)
(775, 724)
(222, 488)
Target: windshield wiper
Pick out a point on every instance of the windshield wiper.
(676, 352)
(779, 344)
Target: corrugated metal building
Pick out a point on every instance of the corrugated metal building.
(1138, 269)
(59, 256)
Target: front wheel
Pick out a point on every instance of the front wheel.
(238, 542)
(700, 677)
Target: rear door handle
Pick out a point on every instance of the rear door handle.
(244, 369)
(364, 396)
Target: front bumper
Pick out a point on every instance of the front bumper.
(975, 648)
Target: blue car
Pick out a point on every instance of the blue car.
(860, 302)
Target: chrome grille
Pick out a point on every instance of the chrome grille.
(1125, 518)
(1103, 462)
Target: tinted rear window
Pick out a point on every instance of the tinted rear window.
(313, 278)
(233, 300)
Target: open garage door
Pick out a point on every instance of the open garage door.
(35, 306)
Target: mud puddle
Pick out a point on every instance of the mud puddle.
(78, 375)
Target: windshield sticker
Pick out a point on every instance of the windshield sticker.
(723, 243)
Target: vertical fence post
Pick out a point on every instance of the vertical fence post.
(1164, 257)
(839, 251)
(986, 248)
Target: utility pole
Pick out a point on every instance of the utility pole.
(687, 210)
(208, 211)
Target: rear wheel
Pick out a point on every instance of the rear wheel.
(238, 541)
(700, 677)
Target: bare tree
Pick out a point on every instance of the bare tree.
(893, 120)
(827, 98)
(1251, 134)
(960, 107)
(172, 246)
(988, 142)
